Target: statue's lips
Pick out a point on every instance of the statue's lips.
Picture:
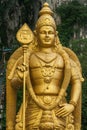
(47, 40)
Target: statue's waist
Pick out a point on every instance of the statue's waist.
(46, 92)
(47, 81)
(46, 99)
(51, 88)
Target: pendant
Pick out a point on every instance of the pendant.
(47, 99)
(47, 79)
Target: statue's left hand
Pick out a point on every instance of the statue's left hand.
(65, 110)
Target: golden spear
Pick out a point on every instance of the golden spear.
(25, 37)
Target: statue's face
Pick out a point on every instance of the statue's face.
(46, 36)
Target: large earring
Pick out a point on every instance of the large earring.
(57, 41)
(35, 39)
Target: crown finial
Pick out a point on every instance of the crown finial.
(45, 4)
(46, 9)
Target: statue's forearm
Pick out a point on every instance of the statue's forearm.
(76, 91)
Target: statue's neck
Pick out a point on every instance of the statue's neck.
(46, 50)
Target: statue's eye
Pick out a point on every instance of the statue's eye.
(42, 32)
(51, 32)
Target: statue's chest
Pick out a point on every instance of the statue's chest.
(47, 61)
(47, 66)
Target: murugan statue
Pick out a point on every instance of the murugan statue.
(44, 69)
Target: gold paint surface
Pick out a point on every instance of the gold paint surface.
(44, 69)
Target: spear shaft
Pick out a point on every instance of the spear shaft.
(24, 82)
(25, 37)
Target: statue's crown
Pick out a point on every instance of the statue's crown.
(45, 17)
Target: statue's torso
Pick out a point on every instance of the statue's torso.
(46, 72)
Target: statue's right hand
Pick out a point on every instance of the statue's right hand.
(21, 69)
(18, 118)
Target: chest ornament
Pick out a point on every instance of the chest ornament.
(47, 68)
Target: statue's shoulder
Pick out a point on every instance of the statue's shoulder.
(60, 61)
(33, 60)
(74, 61)
(16, 56)
(16, 59)
(73, 57)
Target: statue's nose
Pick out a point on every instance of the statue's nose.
(47, 34)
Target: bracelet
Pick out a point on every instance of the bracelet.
(73, 103)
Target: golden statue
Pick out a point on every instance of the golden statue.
(44, 69)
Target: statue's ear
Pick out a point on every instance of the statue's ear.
(56, 33)
(35, 33)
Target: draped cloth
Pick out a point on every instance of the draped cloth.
(38, 119)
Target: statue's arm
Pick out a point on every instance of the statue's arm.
(67, 108)
(76, 84)
(16, 81)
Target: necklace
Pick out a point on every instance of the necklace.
(47, 69)
(46, 61)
